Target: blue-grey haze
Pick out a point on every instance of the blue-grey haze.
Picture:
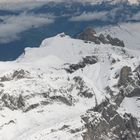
(62, 14)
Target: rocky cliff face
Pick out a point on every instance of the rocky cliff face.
(103, 122)
(89, 34)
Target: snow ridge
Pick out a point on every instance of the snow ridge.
(40, 99)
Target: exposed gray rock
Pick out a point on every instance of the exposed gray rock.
(134, 93)
(96, 126)
(4, 78)
(101, 106)
(103, 122)
(137, 75)
(129, 81)
(75, 130)
(64, 127)
(115, 41)
(109, 91)
(1, 85)
(86, 94)
(88, 60)
(119, 97)
(13, 103)
(89, 34)
(103, 39)
(84, 91)
(62, 99)
(51, 95)
(20, 101)
(33, 106)
(107, 124)
(17, 74)
(125, 76)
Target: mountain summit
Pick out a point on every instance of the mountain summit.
(70, 89)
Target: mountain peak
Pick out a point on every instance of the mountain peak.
(58, 90)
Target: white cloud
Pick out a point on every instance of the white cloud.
(13, 25)
(89, 16)
(15, 6)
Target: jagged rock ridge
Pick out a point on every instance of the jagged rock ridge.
(89, 34)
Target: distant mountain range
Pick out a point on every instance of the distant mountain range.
(91, 1)
(26, 24)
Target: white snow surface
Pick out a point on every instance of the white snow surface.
(132, 106)
(45, 66)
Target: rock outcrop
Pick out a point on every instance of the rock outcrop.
(89, 34)
(88, 60)
(129, 81)
(125, 76)
(12, 102)
(114, 41)
(17, 74)
(105, 123)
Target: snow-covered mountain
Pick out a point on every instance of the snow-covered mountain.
(128, 32)
(71, 89)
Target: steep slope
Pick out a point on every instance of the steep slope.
(128, 32)
(44, 93)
